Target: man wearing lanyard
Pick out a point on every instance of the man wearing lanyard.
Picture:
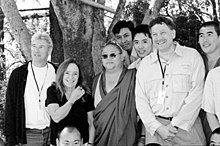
(26, 119)
(169, 88)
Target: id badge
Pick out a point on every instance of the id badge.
(161, 96)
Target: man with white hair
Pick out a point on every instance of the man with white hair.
(26, 118)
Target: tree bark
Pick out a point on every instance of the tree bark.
(99, 38)
(57, 56)
(214, 10)
(153, 13)
(18, 27)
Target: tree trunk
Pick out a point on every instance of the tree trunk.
(56, 34)
(76, 22)
(117, 17)
(2, 74)
(153, 13)
(99, 38)
(18, 27)
(219, 8)
(214, 10)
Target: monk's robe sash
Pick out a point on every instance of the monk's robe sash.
(115, 116)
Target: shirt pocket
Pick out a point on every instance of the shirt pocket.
(153, 87)
(181, 80)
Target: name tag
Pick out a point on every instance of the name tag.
(161, 97)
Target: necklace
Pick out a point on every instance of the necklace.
(39, 89)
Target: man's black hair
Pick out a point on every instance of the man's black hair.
(142, 28)
(123, 24)
(211, 23)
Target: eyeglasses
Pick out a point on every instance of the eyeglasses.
(111, 55)
(213, 144)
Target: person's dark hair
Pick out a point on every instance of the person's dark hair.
(163, 20)
(142, 28)
(71, 129)
(211, 23)
(216, 131)
(123, 24)
(60, 73)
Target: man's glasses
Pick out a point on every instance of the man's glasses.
(111, 55)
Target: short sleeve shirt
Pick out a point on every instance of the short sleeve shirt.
(211, 95)
(76, 117)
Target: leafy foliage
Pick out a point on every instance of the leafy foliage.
(187, 30)
(187, 22)
(135, 11)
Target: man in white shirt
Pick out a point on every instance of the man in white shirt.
(26, 118)
(209, 41)
(169, 86)
(211, 98)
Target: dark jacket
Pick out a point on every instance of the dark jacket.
(15, 109)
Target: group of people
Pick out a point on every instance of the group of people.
(150, 92)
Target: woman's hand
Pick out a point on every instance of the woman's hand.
(76, 94)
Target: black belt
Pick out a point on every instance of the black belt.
(166, 118)
(38, 130)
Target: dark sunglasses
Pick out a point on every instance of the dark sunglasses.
(111, 55)
(213, 144)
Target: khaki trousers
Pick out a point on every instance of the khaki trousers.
(195, 137)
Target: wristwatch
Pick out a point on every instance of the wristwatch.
(89, 144)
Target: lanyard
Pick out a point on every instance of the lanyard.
(39, 89)
(161, 67)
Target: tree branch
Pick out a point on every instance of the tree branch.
(196, 9)
(13, 64)
(116, 18)
(10, 52)
(151, 14)
(97, 5)
(18, 27)
(214, 11)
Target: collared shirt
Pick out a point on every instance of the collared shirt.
(135, 64)
(183, 83)
(211, 100)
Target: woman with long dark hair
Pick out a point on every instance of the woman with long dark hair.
(69, 102)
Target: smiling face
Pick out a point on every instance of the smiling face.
(208, 39)
(162, 37)
(71, 76)
(40, 51)
(124, 38)
(114, 58)
(142, 44)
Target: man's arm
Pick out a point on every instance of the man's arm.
(192, 103)
(213, 121)
(209, 99)
(10, 110)
(142, 103)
